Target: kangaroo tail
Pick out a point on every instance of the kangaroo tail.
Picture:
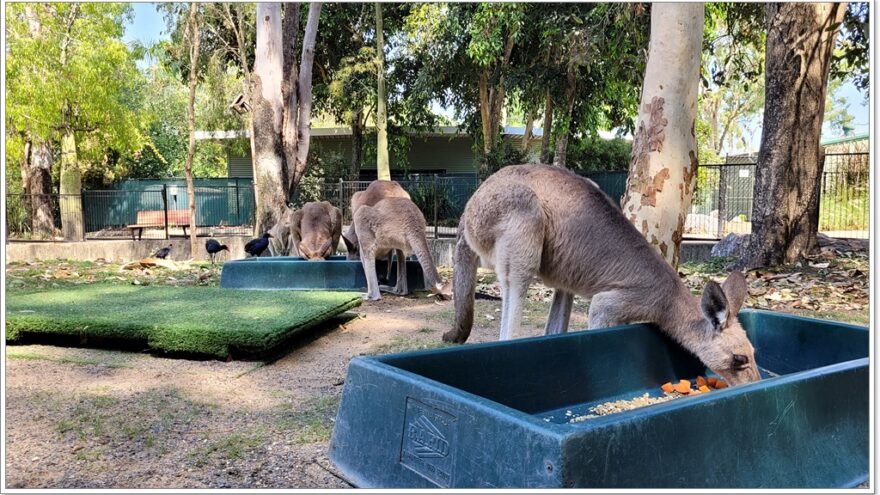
(464, 285)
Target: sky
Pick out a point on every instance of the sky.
(149, 27)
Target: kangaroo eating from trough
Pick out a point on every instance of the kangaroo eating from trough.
(315, 230)
(392, 224)
(375, 192)
(538, 220)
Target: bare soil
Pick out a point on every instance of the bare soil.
(101, 418)
(109, 418)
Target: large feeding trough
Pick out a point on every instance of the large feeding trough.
(295, 273)
(497, 415)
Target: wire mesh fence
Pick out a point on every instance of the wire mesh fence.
(440, 198)
(156, 213)
(723, 198)
(722, 204)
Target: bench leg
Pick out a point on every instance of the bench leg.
(140, 233)
(184, 231)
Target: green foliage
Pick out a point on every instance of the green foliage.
(174, 319)
(597, 154)
(732, 74)
(836, 111)
(851, 54)
(68, 68)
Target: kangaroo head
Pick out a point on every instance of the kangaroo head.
(320, 253)
(724, 346)
(351, 246)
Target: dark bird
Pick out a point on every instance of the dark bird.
(213, 247)
(255, 247)
(162, 253)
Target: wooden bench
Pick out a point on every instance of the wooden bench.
(156, 218)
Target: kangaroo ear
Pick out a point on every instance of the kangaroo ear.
(735, 290)
(714, 306)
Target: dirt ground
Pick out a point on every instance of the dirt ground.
(110, 418)
(92, 418)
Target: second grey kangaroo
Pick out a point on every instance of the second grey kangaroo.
(538, 220)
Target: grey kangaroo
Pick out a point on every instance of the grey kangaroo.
(392, 224)
(375, 192)
(538, 220)
(315, 230)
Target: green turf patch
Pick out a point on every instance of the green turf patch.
(174, 319)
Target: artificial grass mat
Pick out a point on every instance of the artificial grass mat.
(174, 319)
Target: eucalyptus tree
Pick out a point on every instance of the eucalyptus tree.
(72, 83)
(664, 154)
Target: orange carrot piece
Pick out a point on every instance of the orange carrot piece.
(701, 381)
(667, 387)
(704, 388)
(685, 382)
(712, 381)
(721, 384)
(682, 387)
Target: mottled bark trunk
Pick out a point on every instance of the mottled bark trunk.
(548, 128)
(664, 160)
(785, 216)
(193, 39)
(357, 145)
(383, 169)
(71, 190)
(289, 83)
(271, 184)
(304, 94)
(561, 153)
(39, 177)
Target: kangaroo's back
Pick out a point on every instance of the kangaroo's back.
(587, 244)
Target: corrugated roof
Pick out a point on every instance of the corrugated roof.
(845, 139)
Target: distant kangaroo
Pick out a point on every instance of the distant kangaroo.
(538, 220)
(375, 192)
(392, 224)
(315, 230)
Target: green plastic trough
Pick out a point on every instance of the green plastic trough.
(295, 273)
(497, 414)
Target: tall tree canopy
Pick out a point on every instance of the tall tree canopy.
(72, 83)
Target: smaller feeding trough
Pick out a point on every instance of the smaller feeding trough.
(295, 273)
(511, 414)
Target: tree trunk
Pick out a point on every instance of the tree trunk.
(663, 166)
(548, 128)
(70, 190)
(289, 91)
(271, 184)
(357, 145)
(785, 216)
(40, 189)
(383, 169)
(559, 156)
(193, 40)
(527, 133)
(304, 93)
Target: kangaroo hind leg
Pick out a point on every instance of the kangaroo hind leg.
(517, 260)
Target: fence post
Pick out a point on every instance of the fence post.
(339, 199)
(435, 206)
(165, 205)
(238, 219)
